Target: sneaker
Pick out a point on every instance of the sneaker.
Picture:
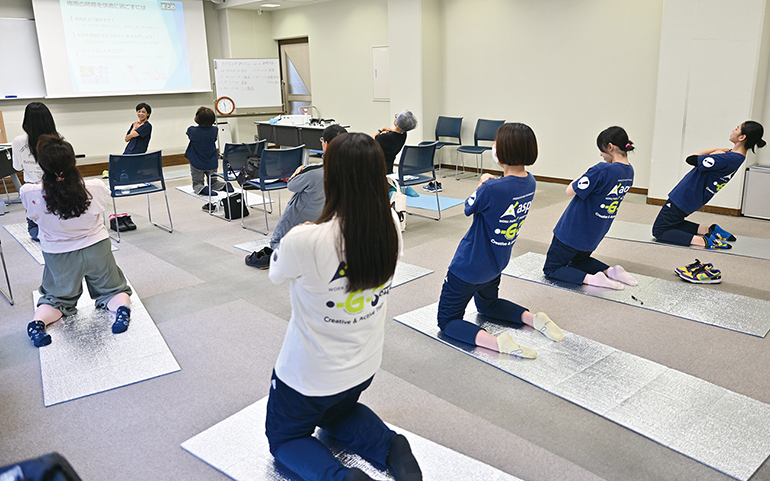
(260, 259)
(701, 275)
(434, 186)
(713, 242)
(686, 269)
(721, 234)
(210, 207)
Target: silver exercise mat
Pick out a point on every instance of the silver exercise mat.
(712, 425)
(238, 448)
(677, 298)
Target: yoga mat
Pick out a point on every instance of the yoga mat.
(677, 298)
(712, 425)
(238, 448)
(404, 272)
(428, 202)
(86, 358)
(744, 246)
(252, 198)
(20, 233)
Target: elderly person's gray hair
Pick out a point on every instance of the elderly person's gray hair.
(406, 120)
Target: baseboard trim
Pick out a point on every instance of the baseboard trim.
(706, 208)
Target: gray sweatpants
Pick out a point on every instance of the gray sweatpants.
(63, 276)
(199, 180)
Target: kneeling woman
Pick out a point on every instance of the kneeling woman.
(340, 269)
(74, 241)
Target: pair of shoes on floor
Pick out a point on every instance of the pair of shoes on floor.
(36, 332)
(260, 259)
(212, 207)
(122, 319)
(699, 273)
(433, 186)
(121, 223)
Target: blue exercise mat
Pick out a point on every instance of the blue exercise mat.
(428, 202)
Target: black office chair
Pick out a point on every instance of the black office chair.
(448, 127)
(275, 168)
(136, 174)
(416, 167)
(485, 131)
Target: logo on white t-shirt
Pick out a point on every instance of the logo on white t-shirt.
(708, 162)
(583, 183)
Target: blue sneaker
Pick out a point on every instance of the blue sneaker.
(721, 234)
(432, 187)
(122, 319)
(713, 242)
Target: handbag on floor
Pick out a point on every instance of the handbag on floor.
(232, 207)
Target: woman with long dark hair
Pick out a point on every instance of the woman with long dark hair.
(74, 241)
(340, 269)
(37, 121)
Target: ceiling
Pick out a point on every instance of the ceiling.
(257, 4)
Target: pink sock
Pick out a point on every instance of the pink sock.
(619, 274)
(600, 280)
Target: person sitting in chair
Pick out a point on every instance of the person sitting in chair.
(305, 204)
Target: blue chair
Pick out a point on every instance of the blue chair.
(136, 174)
(416, 167)
(446, 127)
(234, 158)
(485, 131)
(275, 168)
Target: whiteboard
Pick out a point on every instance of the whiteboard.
(21, 75)
(249, 82)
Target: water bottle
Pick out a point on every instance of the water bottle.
(123, 180)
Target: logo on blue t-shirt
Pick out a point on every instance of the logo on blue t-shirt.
(472, 198)
(708, 162)
(583, 183)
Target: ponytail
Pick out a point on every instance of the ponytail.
(616, 136)
(64, 191)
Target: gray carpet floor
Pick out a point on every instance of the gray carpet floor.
(225, 321)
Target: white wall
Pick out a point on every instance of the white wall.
(711, 79)
(96, 126)
(567, 68)
(340, 35)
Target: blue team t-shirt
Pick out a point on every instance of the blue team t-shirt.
(589, 215)
(138, 145)
(709, 175)
(202, 149)
(499, 207)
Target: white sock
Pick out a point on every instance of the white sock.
(600, 280)
(545, 325)
(619, 274)
(506, 345)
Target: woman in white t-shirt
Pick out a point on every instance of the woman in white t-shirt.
(37, 121)
(74, 241)
(340, 269)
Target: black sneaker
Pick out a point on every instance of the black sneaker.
(401, 461)
(260, 259)
(209, 207)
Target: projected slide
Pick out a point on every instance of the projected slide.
(126, 45)
(94, 48)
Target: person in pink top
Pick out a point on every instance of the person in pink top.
(74, 241)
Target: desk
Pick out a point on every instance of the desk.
(291, 135)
